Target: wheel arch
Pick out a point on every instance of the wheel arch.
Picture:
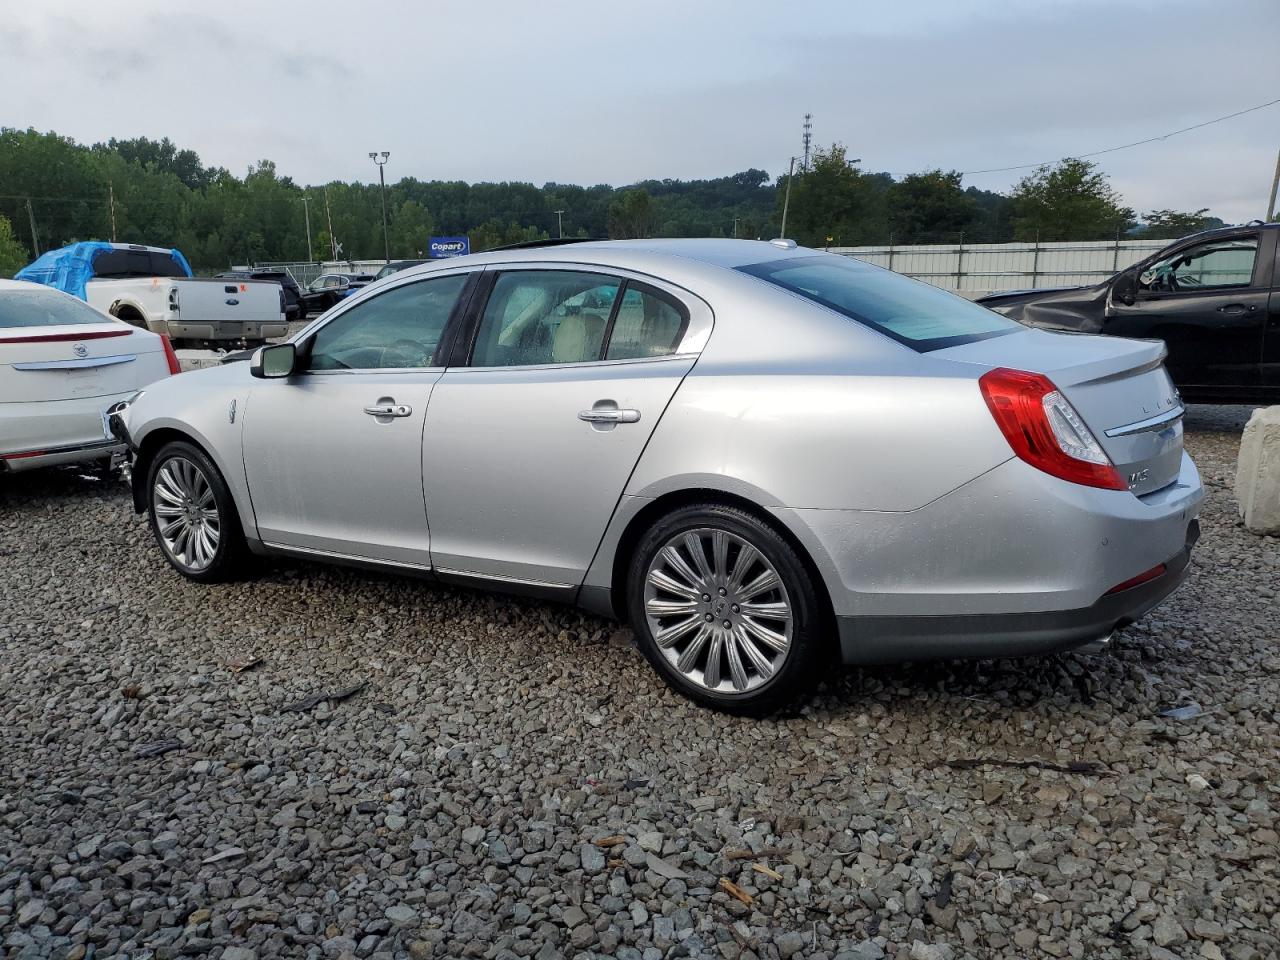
(131, 313)
(646, 516)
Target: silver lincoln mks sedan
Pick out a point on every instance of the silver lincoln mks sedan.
(766, 458)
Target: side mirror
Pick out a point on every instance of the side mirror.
(1125, 288)
(273, 361)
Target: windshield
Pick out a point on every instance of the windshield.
(35, 308)
(914, 313)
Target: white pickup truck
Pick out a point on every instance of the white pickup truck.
(152, 288)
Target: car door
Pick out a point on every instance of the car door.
(333, 454)
(1208, 301)
(530, 441)
(1269, 375)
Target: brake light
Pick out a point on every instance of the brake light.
(63, 337)
(170, 356)
(1045, 431)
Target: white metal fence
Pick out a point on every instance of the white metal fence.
(971, 269)
(978, 268)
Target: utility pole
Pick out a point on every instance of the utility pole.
(381, 160)
(111, 193)
(786, 198)
(560, 222)
(735, 227)
(333, 241)
(306, 212)
(35, 237)
(1275, 182)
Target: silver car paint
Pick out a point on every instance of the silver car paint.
(883, 463)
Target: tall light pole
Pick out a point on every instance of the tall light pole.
(786, 198)
(381, 160)
(735, 227)
(306, 212)
(560, 222)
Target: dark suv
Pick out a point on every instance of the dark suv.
(1212, 297)
(294, 308)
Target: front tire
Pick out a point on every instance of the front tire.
(726, 610)
(193, 516)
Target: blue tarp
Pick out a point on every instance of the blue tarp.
(70, 268)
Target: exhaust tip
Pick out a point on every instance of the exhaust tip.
(1095, 647)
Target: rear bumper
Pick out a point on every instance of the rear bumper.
(111, 450)
(871, 640)
(229, 330)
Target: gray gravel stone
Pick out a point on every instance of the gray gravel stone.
(450, 808)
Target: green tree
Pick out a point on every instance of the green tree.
(631, 215)
(13, 255)
(835, 199)
(1070, 201)
(1172, 224)
(929, 207)
(410, 231)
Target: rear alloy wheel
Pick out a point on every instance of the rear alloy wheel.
(725, 609)
(193, 516)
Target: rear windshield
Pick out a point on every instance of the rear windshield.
(28, 308)
(115, 264)
(919, 315)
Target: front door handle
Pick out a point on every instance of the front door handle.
(1236, 308)
(389, 410)
(609, 415)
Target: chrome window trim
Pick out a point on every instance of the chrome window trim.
(576, 365)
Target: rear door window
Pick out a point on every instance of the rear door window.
(545, 316)
(914, 313)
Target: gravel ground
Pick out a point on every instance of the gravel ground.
(511, 779)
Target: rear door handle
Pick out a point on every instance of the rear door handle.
(389, 410)
(1236, 308)
(609, 415)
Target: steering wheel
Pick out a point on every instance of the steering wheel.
(417, 352)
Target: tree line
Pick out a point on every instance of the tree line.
(55, 191)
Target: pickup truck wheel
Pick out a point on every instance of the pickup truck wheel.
(132, 317)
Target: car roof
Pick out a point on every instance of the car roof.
(673, 259)
(29, 287)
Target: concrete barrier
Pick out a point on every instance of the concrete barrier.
(1258, 472)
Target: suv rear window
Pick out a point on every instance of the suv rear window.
(914, 313)
(34, 308)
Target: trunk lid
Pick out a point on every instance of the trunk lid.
(1119, 387)
(69, 361)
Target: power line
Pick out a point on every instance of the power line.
(1126, 146)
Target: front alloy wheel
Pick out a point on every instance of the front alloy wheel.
(725, 609)
(193, 515)
(187, 519)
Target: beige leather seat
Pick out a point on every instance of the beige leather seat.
(578, 338)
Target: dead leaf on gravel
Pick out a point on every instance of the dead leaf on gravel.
(607, 842)
(333, 696)
(735, 891)
(241, 664)
(132, 691)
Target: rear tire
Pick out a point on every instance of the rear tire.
(725, 610)
(193, 515)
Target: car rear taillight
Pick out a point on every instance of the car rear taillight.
(170, 356)
(1045, 431)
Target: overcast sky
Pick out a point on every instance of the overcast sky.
(587, 91)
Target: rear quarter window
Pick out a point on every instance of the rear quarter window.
(916, 314)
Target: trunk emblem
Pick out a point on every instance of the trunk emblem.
(80, 350)
(1138, 476)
